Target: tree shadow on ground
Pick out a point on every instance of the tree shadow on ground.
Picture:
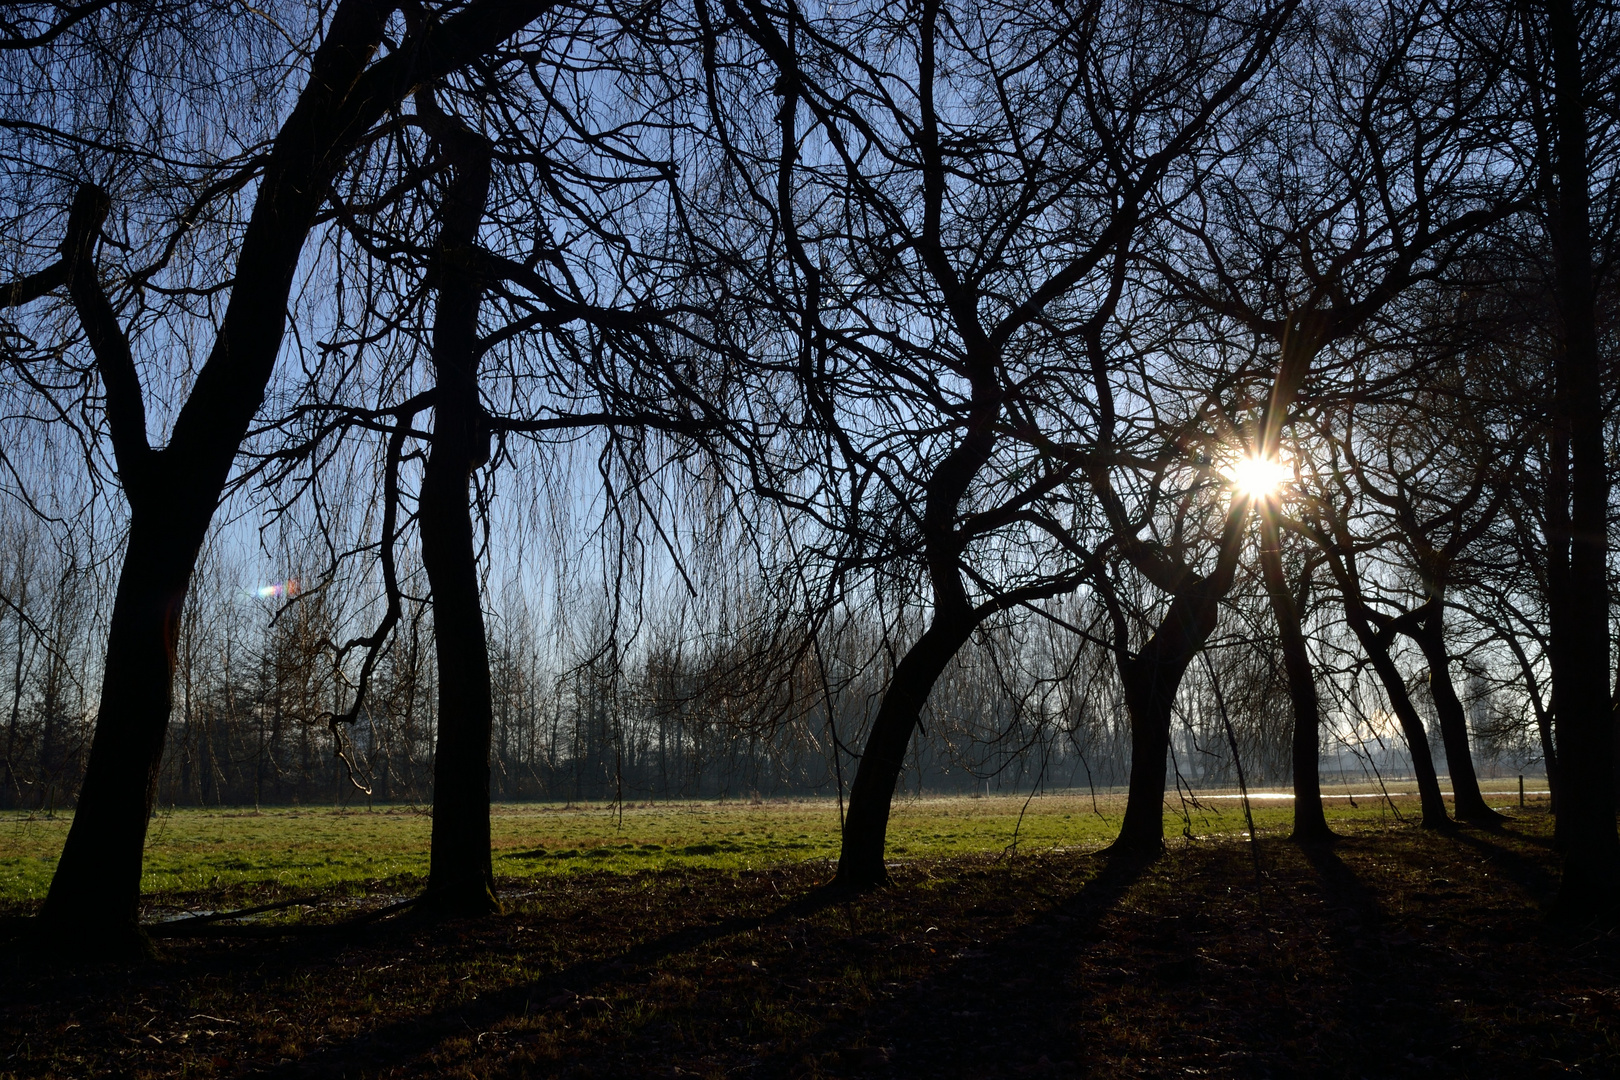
(1001, 1005)
(1393, 953)
(569, 989)
(1380, 993)
(1302, 977)
(1525, 871)
(969, 993)
(1309, 974)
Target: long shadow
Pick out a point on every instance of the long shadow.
(397, 1043)
(1528, 873)
(1344, 885)
(1003, 1005)
(1389, 1001)
(1035, 948)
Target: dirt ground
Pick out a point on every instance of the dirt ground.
(1393, 953)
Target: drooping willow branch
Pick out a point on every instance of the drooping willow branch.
(374, 642)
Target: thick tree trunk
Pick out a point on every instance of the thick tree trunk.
(460, 874)
(1579, 630)
(94, 898)
(1150, 692)
(1310, 824)
(1417, 739)
(93, 893)
(866, 824)
(1153, 676)
(1467, 802)
(461, 878)
(1151, 680)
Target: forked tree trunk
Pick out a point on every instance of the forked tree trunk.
(1417, 738)
(460, 875)
(1310, 824)
(1467, 802)
(1151, 680)
(173, 492)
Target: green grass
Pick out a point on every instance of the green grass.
(294, 849)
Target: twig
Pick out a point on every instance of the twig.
(1237, 760)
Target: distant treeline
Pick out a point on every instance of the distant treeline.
(677, 713)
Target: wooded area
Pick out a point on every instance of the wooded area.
(441, 401)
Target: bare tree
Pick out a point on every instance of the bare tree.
(173, 490)
(936, 242)
(1315, 238)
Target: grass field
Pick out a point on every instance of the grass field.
(1397, 952)
(281, 851)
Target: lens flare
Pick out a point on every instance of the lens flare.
(279, 590)
(1256, 477)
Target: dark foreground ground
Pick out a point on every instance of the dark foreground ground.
(1394, 954)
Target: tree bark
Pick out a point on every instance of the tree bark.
(1310, 824)
(1579, 627)
(92, 904)
(461, 878)
(860, 858)
(1467, 803)
(1152, 677)
(95, 894)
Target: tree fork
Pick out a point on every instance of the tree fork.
(1467, 802)
(1152, 678)
(173, 492)
(1431, 800)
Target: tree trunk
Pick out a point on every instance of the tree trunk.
(1580, 632)
(1310, 824)
(1467, 803)
(1417, 739)
(860, 858)
(1151, 680)
(1152, 677)
(94, 897)
(866, 824)
(1549, 761)
(173, 492)
(461, 879)
(460, 874)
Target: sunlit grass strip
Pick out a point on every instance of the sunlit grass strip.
(292, 849)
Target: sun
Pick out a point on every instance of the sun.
(1256, 477)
